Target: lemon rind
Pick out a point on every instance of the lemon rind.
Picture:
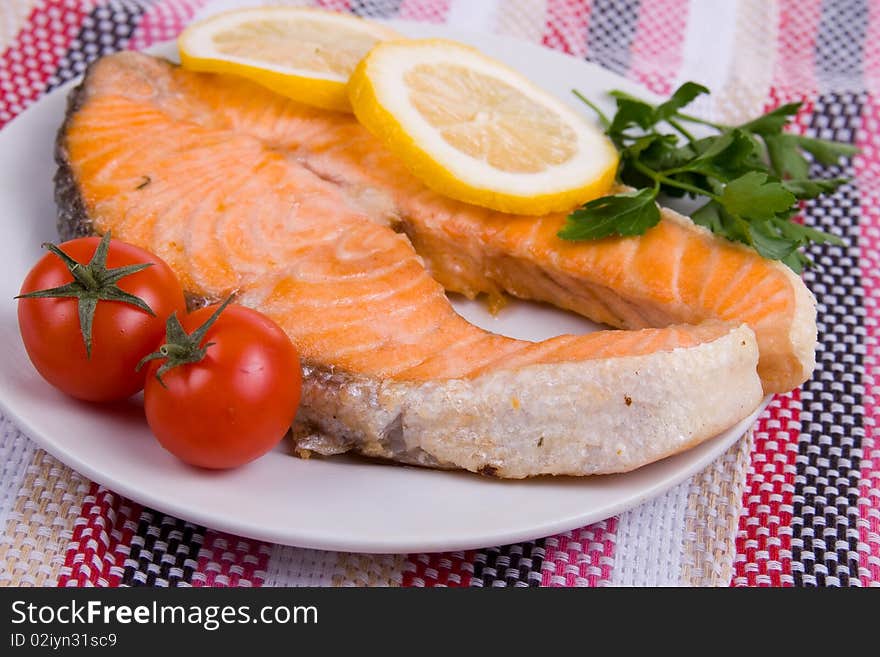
(326, 91)
(382, 122)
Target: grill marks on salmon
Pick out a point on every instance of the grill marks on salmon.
(227, 183)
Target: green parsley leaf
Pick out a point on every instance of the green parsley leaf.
(735, 228)
(772, 122)
(716, 218)
(752, 196)
(797, 262)
(825, 152)
(727, 156)
(805, 189)
(630, 113)
(630, 213)
(785, 158)
(768, 241)
(709, 216)
(680, 98)
(806, 234)
(752, 175)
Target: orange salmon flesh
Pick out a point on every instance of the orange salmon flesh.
(306, 217)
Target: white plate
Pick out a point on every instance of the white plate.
(334, 504)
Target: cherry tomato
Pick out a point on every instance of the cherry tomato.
(121, 333)
(236, 396)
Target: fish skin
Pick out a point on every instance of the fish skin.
(72, 219)
(573, 415)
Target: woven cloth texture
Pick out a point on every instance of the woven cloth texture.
(796, 502)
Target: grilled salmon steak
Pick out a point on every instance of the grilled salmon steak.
(232, 186)
(675, 273)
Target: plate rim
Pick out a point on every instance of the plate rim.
(719, 444)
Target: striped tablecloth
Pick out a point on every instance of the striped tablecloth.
(796, 503)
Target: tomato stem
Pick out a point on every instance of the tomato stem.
(181, 348)
(92, 283)
(84, 276)
(174, 351)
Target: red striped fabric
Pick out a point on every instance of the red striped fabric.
(429, 11)
(867, 167)
(763, 543)
(453, 569)
(228, 560)
(583, 557)
(32, 58)
(656, 52)
(798, 27)
(566, 27)
(102, 539)
(163, 21)
(764, 538)
(335, 5)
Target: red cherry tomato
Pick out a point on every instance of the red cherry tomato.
(237, 402)
(122, 334)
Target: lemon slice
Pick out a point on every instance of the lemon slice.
(473, 129)
(305, 54)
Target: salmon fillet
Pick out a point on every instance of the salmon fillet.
(204, 171)
(675, 273)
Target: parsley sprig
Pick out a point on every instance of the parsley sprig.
(752, 176)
